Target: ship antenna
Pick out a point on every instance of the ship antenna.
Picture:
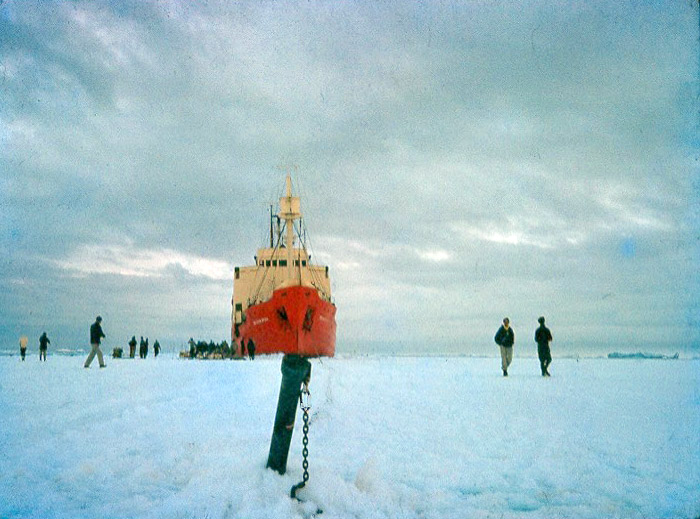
(289, 220)
(272, 242)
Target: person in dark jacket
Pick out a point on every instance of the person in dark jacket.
(505, 338)
(251, 349)
(156, 348)
(132, 347)
(142, 348)
(543, 337)
(96, 335)
(43, 346)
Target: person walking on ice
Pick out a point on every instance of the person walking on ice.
(505, 338)
(132, 347)
(543, 337)
(23, 341)
(43, 346)
(96, 335)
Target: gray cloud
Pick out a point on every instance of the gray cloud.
(457, 162)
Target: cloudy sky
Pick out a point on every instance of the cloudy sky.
(458, 162)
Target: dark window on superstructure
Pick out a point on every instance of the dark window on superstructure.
(303, 263)
(239, 307)
(267, 263)
(283, 263)
(274, 263)
(238, 273)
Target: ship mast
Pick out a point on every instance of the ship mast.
(290, 210)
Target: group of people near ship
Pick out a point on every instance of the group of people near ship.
(143, 347)
(247, 347)
(505, 338)
(211, 350)
(251, 348)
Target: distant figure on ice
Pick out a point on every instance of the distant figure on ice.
(193, 348)
(43, 346)
(145, 349)
(543, 337)
(132, 347)
(251, 349)
(156, 348)
(142, 348)
(96, 335)
(23, 341)
(505, 338)
(243, 347)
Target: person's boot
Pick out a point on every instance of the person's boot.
(505, 372)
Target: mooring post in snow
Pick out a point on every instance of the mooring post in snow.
(295, 371)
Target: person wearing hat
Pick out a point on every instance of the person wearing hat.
(505, 338)
(543, 337)
(96, 334)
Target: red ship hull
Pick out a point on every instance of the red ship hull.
(295, 321)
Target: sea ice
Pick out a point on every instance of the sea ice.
(390, 437)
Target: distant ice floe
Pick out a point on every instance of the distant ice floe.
(640, 355)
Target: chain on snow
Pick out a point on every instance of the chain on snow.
(305, 404)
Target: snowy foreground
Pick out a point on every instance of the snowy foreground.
(390, 437)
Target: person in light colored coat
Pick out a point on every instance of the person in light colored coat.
(23, 341)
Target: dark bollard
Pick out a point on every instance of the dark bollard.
(295, 370)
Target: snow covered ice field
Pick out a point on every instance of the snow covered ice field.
(390, 437)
